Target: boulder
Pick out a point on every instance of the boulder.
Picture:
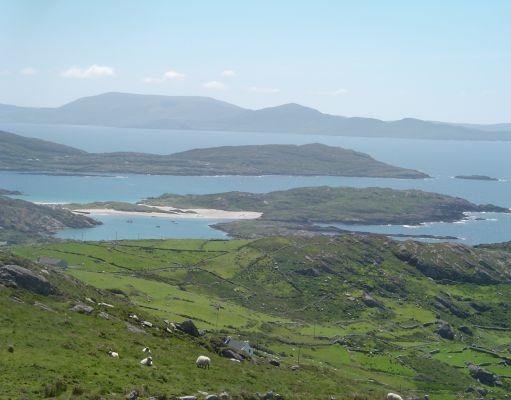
(189, 328)
(19, 277)
(274, 362)
(10, 348)
(446, 331)
(483, 376)
(370, 301)
(211, 397)
(82, 309)
(133, 395)
(228, 353)
(466, 330)
(134, 329)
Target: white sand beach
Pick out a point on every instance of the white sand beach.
(174, 213)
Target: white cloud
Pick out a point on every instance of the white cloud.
(215, 85)
(337, 92)
(173, 75)
(257, 89)
(170, 75)
(28, 71)
(228, 73)
(94, 71)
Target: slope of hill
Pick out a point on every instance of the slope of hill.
(19, 153)
(203, 113)
(361, 316)
(21, 220)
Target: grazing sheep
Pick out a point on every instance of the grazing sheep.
(113, 354)
(147, 361)
(203, 362)
(146, 350)
(393, 396)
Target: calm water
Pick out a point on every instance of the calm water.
(440, 159)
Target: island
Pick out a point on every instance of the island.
(24, 154)
(6, 192)
(301, 210)
(476, 177)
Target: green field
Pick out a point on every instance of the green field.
(301, 300)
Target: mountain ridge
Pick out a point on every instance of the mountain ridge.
(129, 110)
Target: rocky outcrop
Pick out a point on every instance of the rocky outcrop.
(370, 301)
(82, 309)
(189, 328)
(483, 376)
(446, 331)
(20, 277)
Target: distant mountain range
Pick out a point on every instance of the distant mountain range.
(19, 153)
(204, 113)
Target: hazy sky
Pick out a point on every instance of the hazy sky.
(437, 60)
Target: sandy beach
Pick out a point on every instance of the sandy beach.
(174, 213)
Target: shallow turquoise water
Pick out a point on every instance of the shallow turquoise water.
(440, 159)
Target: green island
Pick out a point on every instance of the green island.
(33, 155)
(352, 317)
(301, 208)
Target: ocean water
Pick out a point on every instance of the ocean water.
(440, 159)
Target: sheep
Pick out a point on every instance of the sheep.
(147, 361)
(146, 350)
(393, 396)
(113, 354)
(203, 362)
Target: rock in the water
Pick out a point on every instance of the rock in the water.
(189, 327)
(82, 308)
(445, 330)
(20, 277)
(484, 376)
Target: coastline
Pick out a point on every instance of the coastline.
(174, 213)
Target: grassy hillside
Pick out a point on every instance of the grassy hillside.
(23, 154)
(305, 206)
(360, 314)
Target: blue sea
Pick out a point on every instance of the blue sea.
(440, 159)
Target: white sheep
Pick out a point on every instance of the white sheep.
(203, 362)
(146, 350)
(393, 396)
(113, 354)
(147, 361)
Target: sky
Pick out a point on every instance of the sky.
(437, 60)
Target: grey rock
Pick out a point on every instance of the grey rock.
(10, 348)
(228, 353)
(82, 309)
(274, 362)
(445, 331)
(484, 376)
(211, 397)
(189, 328)
(19, 277)
(134, 329)
(104, 315)
(370, 301)
(133, 395)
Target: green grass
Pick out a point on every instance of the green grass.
(344, 346)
